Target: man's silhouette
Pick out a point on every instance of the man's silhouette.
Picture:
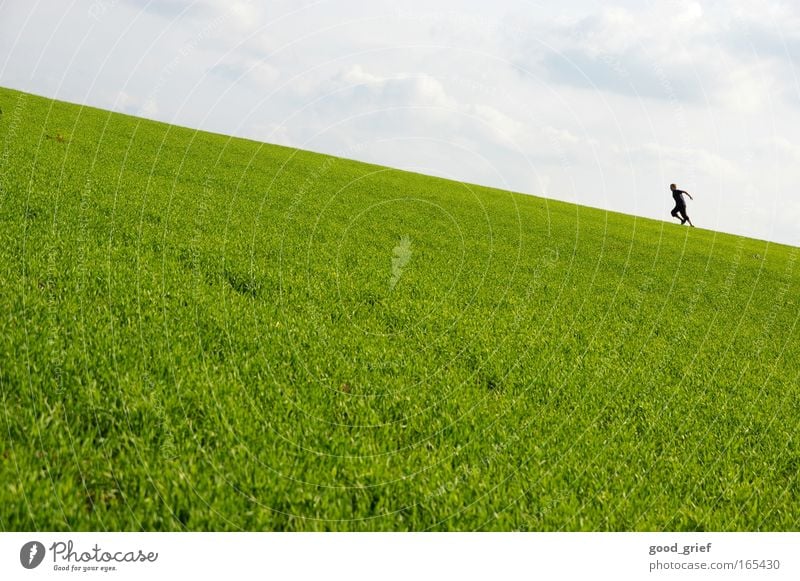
(679, 211)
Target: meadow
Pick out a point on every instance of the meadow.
(199, 332)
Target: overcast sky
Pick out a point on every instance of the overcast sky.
(598, 103)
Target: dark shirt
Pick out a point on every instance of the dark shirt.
(678, 196)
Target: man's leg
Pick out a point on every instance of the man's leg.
(674, 213)
(685, 218)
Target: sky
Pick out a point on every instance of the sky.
(597, 103)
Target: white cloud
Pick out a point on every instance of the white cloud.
(246, 69)
(678, 159)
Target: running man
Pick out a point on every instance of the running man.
(679, 211)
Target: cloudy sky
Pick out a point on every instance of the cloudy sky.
(599, 103)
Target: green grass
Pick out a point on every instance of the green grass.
(199, 332)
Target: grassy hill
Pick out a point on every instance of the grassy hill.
(200, 332)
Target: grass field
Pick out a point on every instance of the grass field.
(199, 332)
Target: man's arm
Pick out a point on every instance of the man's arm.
(690, 195)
